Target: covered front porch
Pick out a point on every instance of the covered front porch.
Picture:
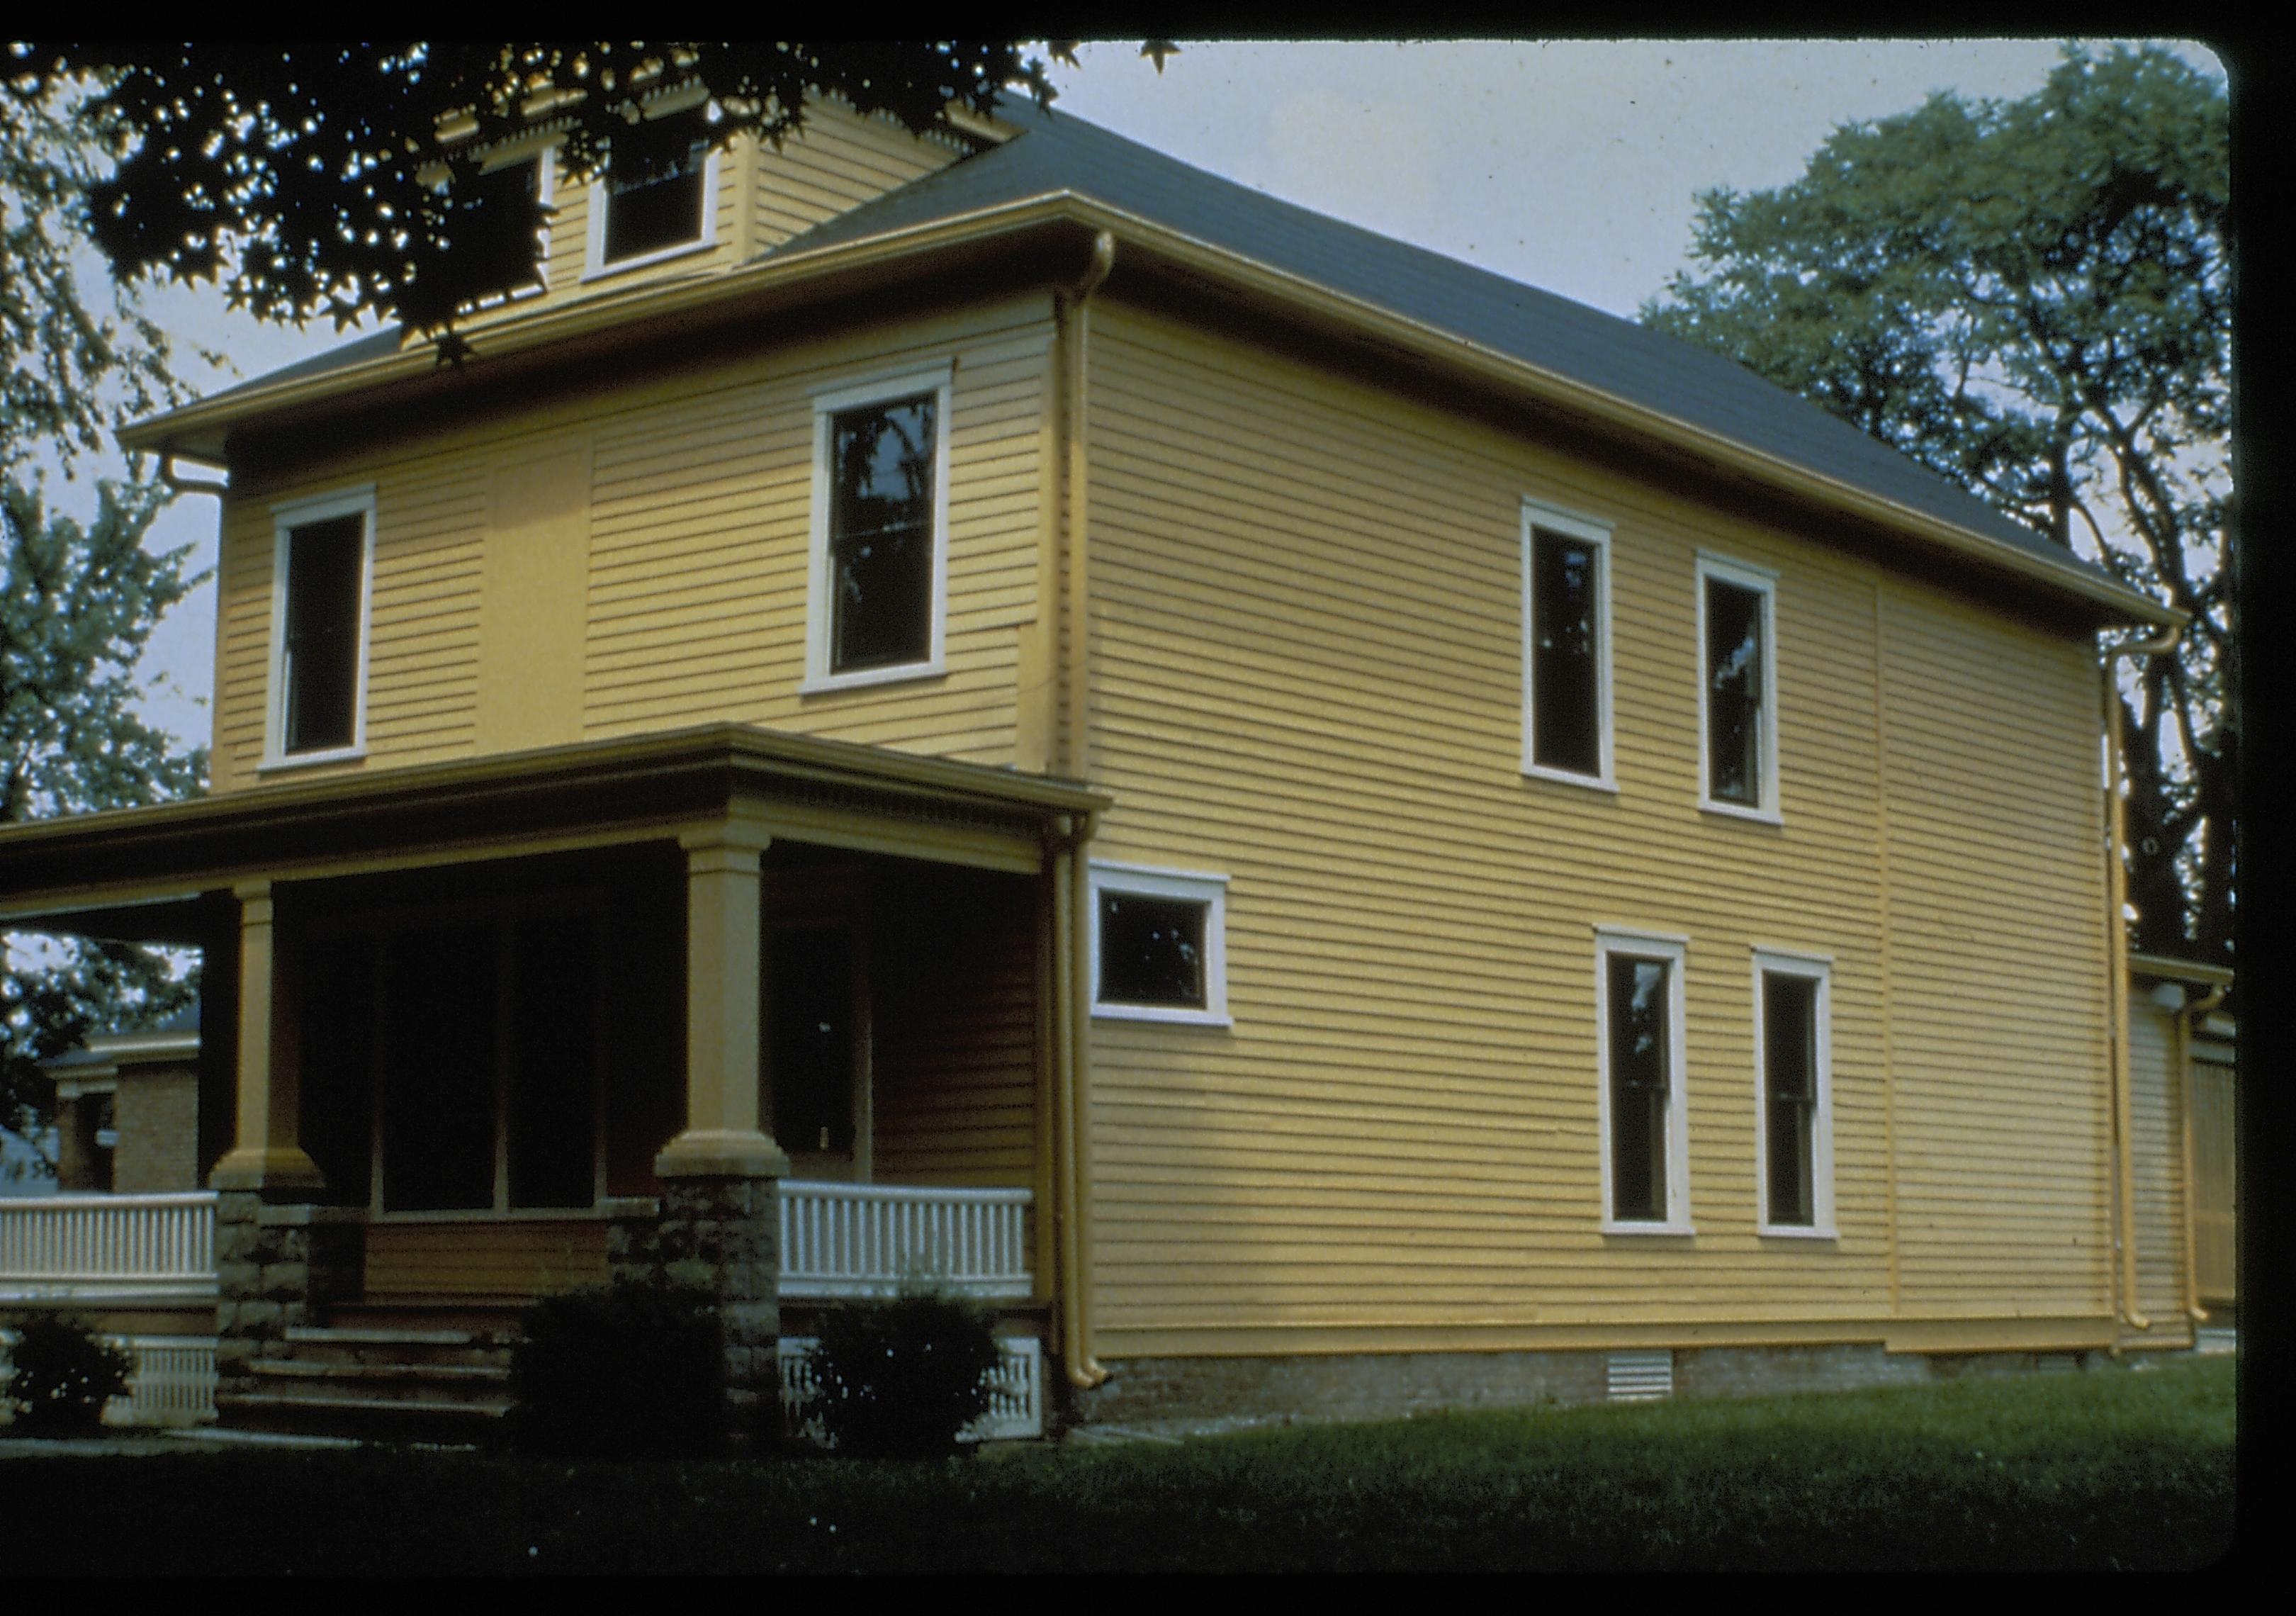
(790, 1019)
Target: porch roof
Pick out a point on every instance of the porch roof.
(142, 873)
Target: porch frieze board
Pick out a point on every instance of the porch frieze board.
(593, 793)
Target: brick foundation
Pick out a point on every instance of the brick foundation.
(1212, 1393)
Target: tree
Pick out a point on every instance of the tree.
(2034, 299)
(340, 179)
(77, 601)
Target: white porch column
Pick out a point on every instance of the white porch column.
(724, 929)
(267, 1152)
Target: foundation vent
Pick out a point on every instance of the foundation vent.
(1641, 1377)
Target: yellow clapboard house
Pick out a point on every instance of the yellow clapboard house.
(1330, 831)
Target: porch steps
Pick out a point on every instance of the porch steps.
(398, 1380)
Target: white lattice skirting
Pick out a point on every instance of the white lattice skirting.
(1016, 1404)
(173, 1384)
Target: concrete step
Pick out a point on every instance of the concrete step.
(309, 1412)
(446, 1374)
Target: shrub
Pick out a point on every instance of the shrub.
(900, 1379)
(64, 1374)
(633, 1370)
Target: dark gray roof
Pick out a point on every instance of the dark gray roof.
(1057, 152)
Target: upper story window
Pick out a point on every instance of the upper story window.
(1737, 690)
(878, 602)
(1566, 659)
(322, 561)
(1158, 945)
(501, 232)
(1793, 1085)
(1645, 1125)
(656, 197)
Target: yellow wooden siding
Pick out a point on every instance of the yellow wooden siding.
(841, 160)
(1306, 677)
(482, 1260)
(2159, 1161)
(953, 976)
(2215, 1177)
(698, 526)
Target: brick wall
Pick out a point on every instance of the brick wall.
(156, 1113)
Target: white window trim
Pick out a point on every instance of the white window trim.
(828, 402)
(595, 267)
(286, 516)
(1588, 530)
(1193, 885)
(1818, 968)
(1762, 582)
(1673, 948)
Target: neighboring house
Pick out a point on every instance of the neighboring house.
(127, 1109)
(1335, 831)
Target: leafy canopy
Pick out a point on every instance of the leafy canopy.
(337, 180)
(2034, 299)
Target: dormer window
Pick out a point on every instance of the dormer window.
(657, 198)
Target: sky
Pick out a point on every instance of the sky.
(1572, 165)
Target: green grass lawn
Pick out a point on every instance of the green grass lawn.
(2111, 1468)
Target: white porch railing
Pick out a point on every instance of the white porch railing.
(173, 1382)
(99, 1248)
(843, 1240)
(1016, 1403)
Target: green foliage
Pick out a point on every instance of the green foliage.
(635, 1370)
(900, 1378)
(64, 1374)
(77, 605)
(2034, 299)
(317, 179)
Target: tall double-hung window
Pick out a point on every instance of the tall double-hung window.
(1737, 691)
(879, 600)
(1793, 1084)
(1566, 656)
(322, 565)
(1639, 1037)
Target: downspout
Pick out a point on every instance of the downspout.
(2124, 1220)
(1072, 886)
(2188, 1021)
(187, 485)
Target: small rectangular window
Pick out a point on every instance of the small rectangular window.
(1792, 1086)
(1638, 982)
(655, 204)
(320, 556)
(500, 230)
(1737, 690)
(1159, 947)
(1566, 653)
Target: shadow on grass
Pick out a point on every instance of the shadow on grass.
(2095, 1471)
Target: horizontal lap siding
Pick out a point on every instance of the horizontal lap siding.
(698, 527)
(700, 535)
(482, 1259)
(1305, 676)
(953, 980)
(841, 160)
(1997, 903)
(2154, 1096)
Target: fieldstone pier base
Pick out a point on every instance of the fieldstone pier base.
(721, 1232)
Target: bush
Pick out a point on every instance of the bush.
(64, 1374)
(633, 1370)
(899, 1379)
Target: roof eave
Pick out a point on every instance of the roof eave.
(199, 429)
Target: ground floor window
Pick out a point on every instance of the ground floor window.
(1792, 1044)
(1158, 945)
(451, 1060)
(1639, 1034)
